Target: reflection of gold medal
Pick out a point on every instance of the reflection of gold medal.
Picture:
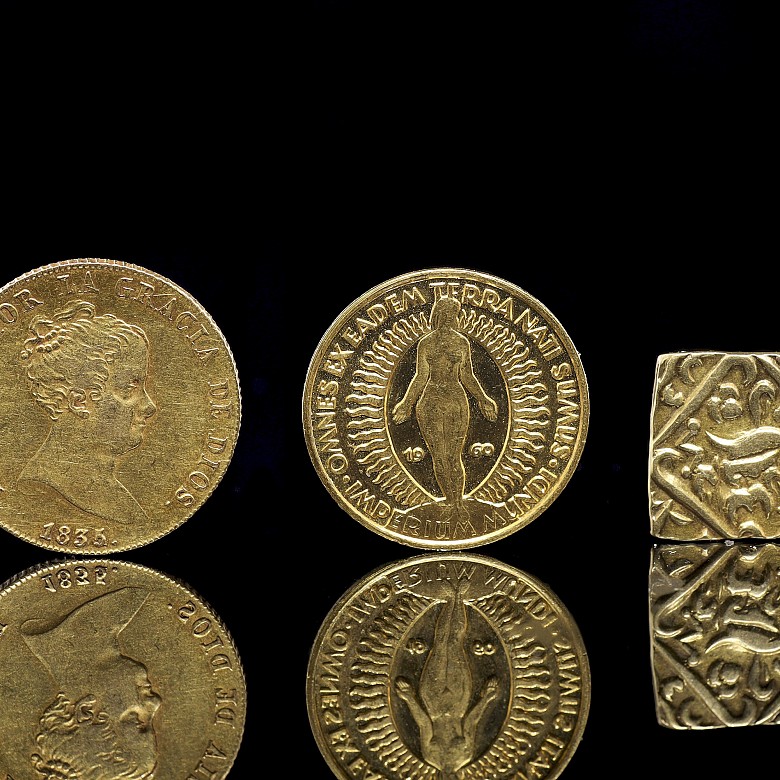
(110, 669)
(120, 406)
(445, 408)
(448, 665)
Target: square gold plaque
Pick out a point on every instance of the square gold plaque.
(714, 446)
(715, 634)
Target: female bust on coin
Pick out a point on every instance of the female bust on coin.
(101, 724)
(88, 372)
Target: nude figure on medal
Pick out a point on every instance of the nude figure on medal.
(438, 394)
(442, 704)
(88, 372)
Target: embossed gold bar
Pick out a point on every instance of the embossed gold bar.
(714, 446)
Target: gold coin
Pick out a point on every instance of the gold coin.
(448, 665)
(119, 406)
(110, 669)
(445, 408)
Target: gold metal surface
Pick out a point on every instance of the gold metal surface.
(715, 439)
(445, 409)
(448, 665)
(715, 634)
(119, 406)
(113, 670)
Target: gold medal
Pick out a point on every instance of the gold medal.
(448, 665)
(110, 669)
(120, 406)
(445, 409)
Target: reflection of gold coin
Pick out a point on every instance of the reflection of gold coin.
(110, 669)
(119, 408)
(445, 409)
(448, 665)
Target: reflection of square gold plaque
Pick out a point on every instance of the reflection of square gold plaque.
(715, 446)
(715, 634)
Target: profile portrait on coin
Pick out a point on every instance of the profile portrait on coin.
(100, 723)
(88, 372)
(438, 393)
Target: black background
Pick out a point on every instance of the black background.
(277, 161)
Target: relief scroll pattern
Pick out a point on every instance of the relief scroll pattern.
(715, 442)
(715, 624)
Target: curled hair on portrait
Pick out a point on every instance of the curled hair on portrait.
(77, 730)
(72, 351)
(67, 752)
(59, 726)
(54, 769)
